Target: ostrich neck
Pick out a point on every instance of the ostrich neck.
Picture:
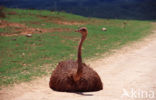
(79, 70)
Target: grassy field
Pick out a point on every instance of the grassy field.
(53, 39)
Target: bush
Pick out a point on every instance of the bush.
(2, 14)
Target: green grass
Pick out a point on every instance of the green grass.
(23, 58)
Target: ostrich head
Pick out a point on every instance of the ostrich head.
(83, 31)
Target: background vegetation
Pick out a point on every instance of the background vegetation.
(118, 9)
(23, 58)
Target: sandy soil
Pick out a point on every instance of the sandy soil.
(22, 29)
(130, 70)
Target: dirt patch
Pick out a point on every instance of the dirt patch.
(60, 20)
(69, 22)
(12, 13)
(35, 23)
(4, 24)
(15, 29)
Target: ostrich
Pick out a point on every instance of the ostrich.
(75, 76)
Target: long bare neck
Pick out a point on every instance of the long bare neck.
(79, 70)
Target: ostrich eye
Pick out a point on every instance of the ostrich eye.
(84, 30)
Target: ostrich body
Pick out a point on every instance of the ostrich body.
(75, 76)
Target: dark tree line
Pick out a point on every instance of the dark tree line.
(121, 9)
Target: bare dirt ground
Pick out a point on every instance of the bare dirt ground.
(21, 29)
(61, 20)
(127, 74)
